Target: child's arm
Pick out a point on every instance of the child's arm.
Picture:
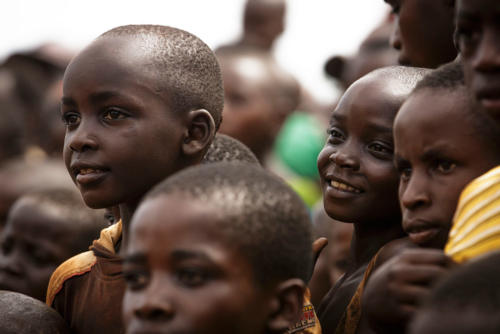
(396, 289)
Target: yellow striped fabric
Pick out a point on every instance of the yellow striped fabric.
(476, 225)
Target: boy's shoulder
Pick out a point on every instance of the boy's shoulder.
(82, 263)
(75, 266)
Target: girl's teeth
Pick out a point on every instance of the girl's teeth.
(88, 171)
(343, 186)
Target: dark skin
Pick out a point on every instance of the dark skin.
(437, 155)
(185, 274)
(121, 135)
(29, 254)
(423, 32)
(251, 111)
(357, 175)
(478, 37)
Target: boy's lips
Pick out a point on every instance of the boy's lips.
(421, 232)
(85, 173)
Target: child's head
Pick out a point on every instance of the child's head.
(441, 144)
(467, 301)
(423, 32)
(43, 230)
(259, 96)
(358, 178)
(373, 53)
(263, 22)
(218, 248)
(139, 103)
(478, 38)
(228, 149)
(20, 314)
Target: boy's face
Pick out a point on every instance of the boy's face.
(184, 276)
(34, 242)
(437, 153)
(478, 37)
(249, 115)
(358, 178)
(121, 136)
(423, 32)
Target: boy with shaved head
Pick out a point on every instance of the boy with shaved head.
(139, 103)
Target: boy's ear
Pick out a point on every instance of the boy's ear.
(287, 304)
(199, 132)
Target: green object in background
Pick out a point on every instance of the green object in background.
(307, 189)
(299, 142)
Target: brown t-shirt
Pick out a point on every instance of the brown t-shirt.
(87, 290)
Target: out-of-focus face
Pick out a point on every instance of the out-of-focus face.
(34, 242)
(249, 113)
(478, 37)
(121, 135)
(438, 152)
(358, 178)
(184, 276)
(423, 32)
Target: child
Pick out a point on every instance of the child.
(467, 301)
(20, 314)
(225, 148)
(219, 248)
(441, 145)
(360, 182)
(258, 98)
(43, 230)
(139, 103)
(263, 23)
(423, 32)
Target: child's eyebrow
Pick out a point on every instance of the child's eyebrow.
(337, 118)
(436, 152)
(67, 101)
(380, 128)
(186, 255)
(100, 97)
(135, 258)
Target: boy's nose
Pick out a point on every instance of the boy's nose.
(487, 56)
(414, 194)
(81, 139)
(154, 310)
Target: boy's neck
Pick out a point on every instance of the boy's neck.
(126, 212)
(366, 242)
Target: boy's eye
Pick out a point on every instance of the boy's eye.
(445, 167)
(70, 118)
(380, 148)
(113, 114)
(467, 37)
(192, 277)
(335, 136)
(135, 279)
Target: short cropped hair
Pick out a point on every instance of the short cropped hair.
(20, 314)
(450, 77)
(466, 301)
(262, 216)
(71, 208)
(185, 66)
(228, 149)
